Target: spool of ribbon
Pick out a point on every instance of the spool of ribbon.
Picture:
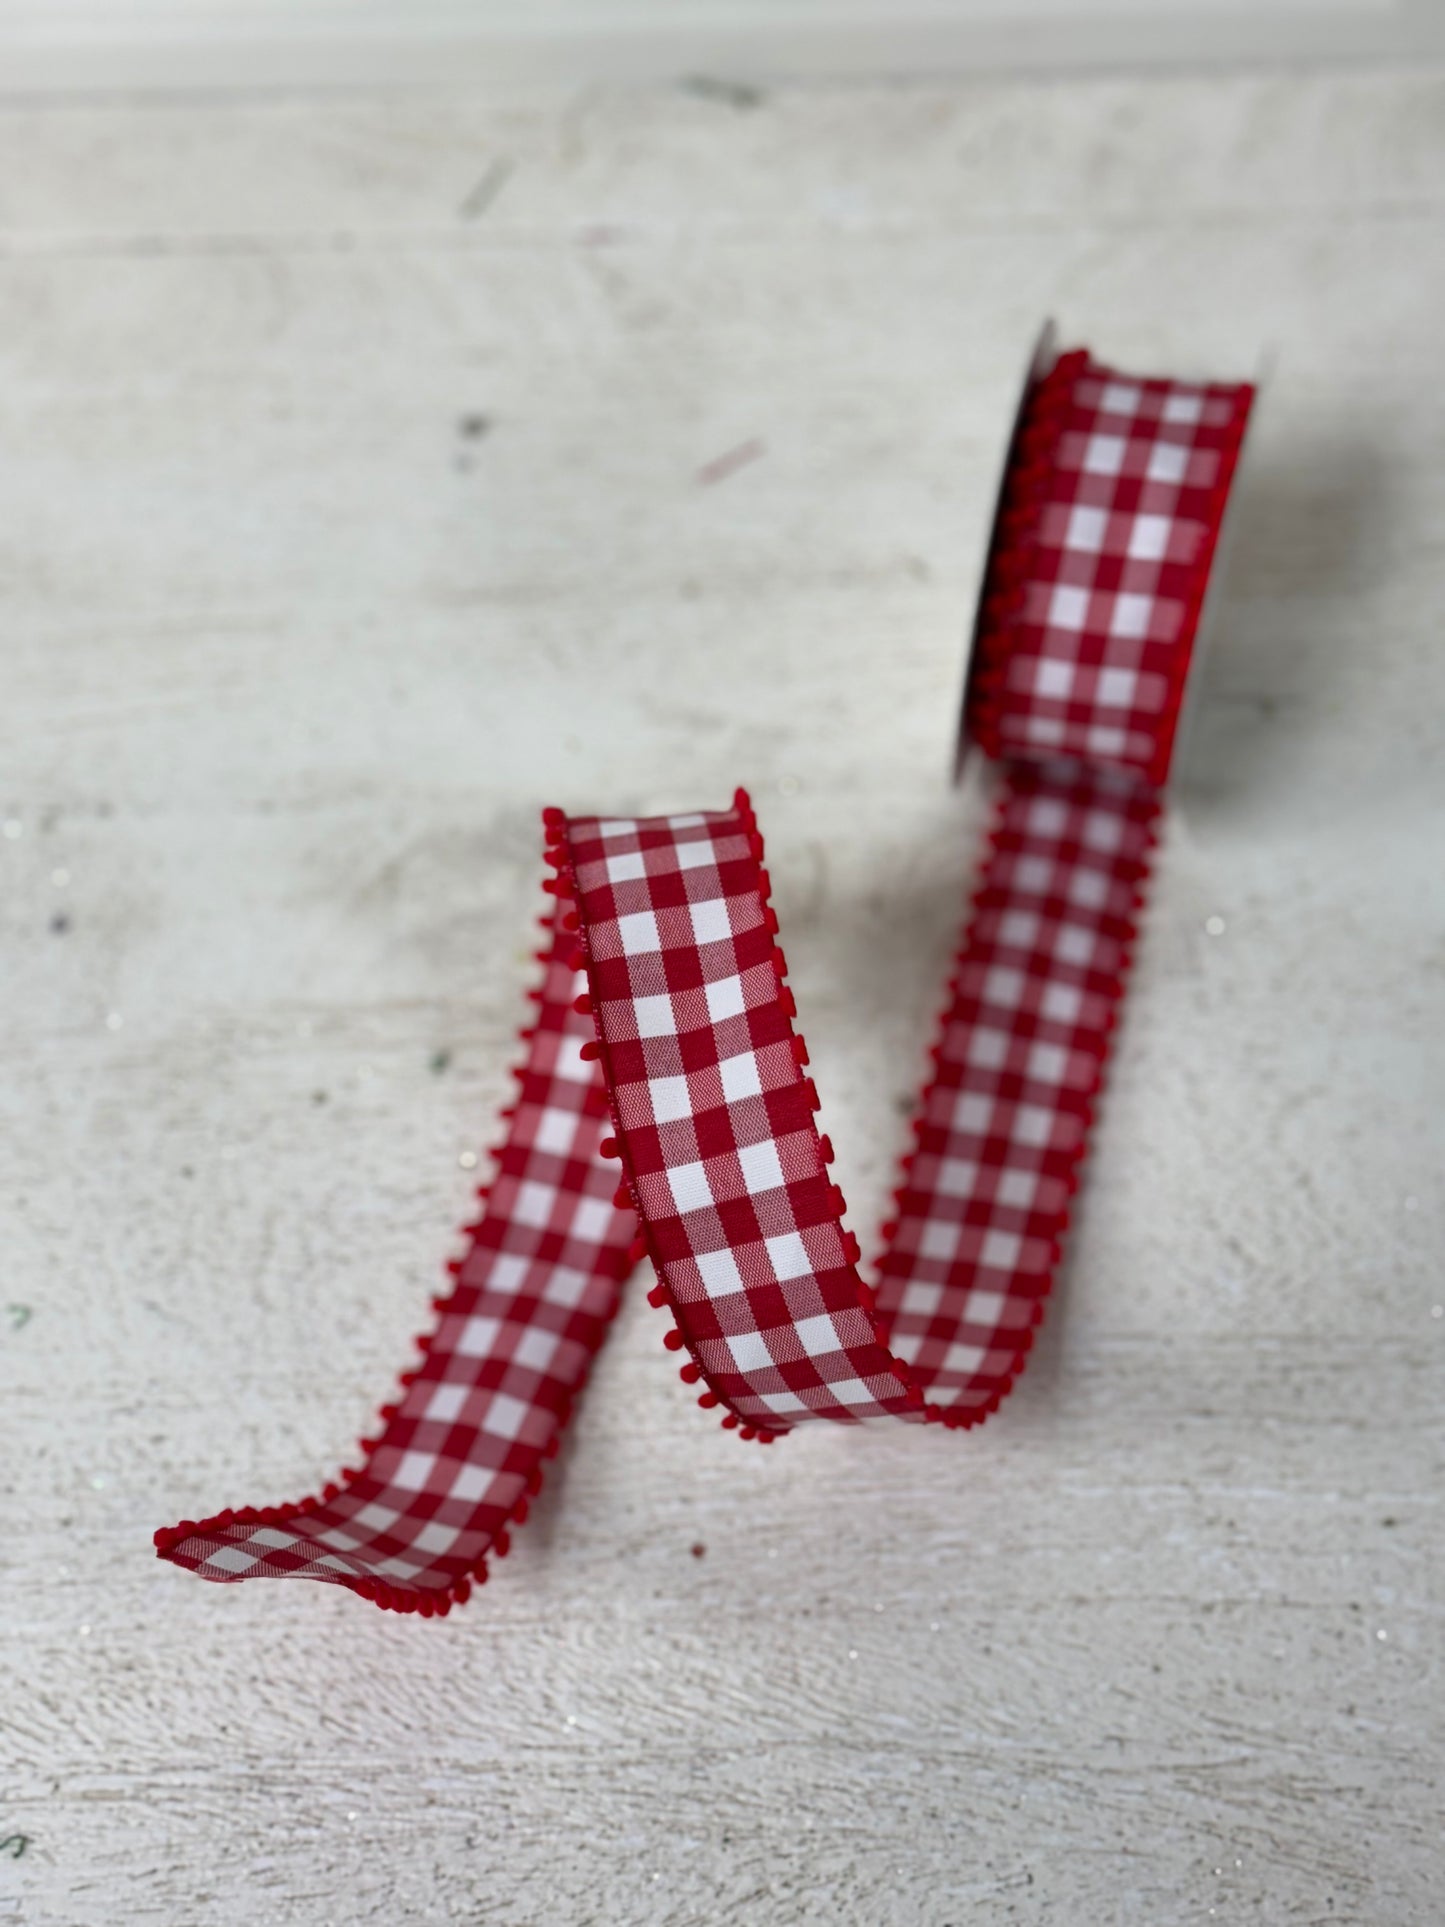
(665, 1110)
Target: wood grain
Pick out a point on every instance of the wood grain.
(341, 526)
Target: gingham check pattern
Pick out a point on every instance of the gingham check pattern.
(986, 1192)
(1111, 516)
(715, 1120)
(463, 1448)
(665, 1004)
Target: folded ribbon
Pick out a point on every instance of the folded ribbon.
(664, 1055)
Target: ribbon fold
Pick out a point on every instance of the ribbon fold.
(665, 1110)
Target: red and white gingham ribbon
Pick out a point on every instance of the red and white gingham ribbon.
(664, 1055)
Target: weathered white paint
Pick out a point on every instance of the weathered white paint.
(49, 46)
(292, 660)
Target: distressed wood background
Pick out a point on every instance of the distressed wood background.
(374, 470)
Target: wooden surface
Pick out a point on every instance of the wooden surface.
(113, 46)
(359, 493)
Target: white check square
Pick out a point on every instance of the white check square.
(565, 1286)
(760, 1166)
(1047, 816)
(1004, 987)
(571, 1064)
(988, 1048)
(724, 998)
(505, 1416)
(592, 1220)
(434, 1538)
(1086, 530)
(983, 1307)
(1061, 1003)
(690, 1188)
(1052, 677)
(1047, 1063)
(446, 1402)
(1117, 688)
(273, 1540)
(1017, 1189)
(638, 933)
(851, 1391)
(507, 1272)
(473, 1482)
(534, 1202)
(1104, 455)
(1102, 830)
(536, 1349)
(1089, 889)
(972, 1113)
(957, 1177)
(788, 1256)
(782, 1403)
(1074, 945)
(413, 1471)
(654, 1017)
(963, 1358)
(374, 1519)
(1183, 408)
(555, 1131)
(818, 1336)
(1149, 538)
(1104, 740)
(1001, 1250)
(1033, 1124)
(669, 1098)
(719, 1272)
(740, 1077)
(710, 921)
(1068, 607)
(750, 1352)
(477, 1337)
(1131, 615)
(231, 1559)
(920, 1300)
(938, 1240)
(340, 1541)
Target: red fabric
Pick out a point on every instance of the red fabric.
(664, 1056)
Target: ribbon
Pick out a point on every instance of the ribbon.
(665, 1109)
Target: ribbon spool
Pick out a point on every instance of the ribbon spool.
(665, 1110)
